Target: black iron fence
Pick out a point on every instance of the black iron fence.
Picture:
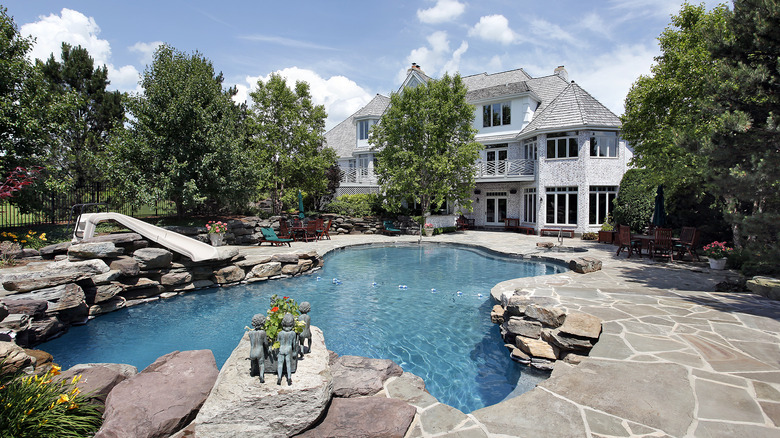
(52, 208)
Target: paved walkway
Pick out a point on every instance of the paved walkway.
(674, 358)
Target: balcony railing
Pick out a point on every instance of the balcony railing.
(359, 175)
(505, 168)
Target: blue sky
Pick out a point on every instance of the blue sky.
(350, 50)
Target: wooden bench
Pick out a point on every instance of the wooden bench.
(464, 223)
(527, 230)
(555, 232)
(511, 224)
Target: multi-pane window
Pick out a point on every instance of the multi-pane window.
(600, 205)
(529, 149)
(604, 144)
(562, 145)
(362, 129)
(496, 114)
(561, 205)
(529, 205)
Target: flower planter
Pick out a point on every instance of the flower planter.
(718, 264)
(216, 238)
(606, 236)
(428, 232)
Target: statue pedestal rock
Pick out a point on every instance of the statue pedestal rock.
(240, 406)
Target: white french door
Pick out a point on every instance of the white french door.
(495, 211)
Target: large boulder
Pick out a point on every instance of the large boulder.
(58, 298)
(585, 265)
(98, 379)
(127, 266)
(13, 357)
(31, 307)
(365, 417)
(765, 286)
(241, 406)
(94, 250)
(153, 258)
(228, 274)
(162, 398)
(355, 376)
(55, 274)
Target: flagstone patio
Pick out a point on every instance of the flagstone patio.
(674, 357)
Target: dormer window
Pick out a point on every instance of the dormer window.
(363, 130)
(496, 114)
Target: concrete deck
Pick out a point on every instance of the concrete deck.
(674, 358)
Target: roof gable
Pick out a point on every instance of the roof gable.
(572, 108)
(343, 137)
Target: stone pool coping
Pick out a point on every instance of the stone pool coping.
(674, 358)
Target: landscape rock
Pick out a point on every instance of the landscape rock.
(285, 258)
(31, 307)
(497, 314)
(358, 376)
(536, 348)
(153, 258)
(176, 278)
(106, 278)
(127, 266)
(515, 305)
(58, 298)
(547, 315)
(523, 327)
(765, 286)
(115, 238)
(98, 379)
(251, 261)
(582, 324)
(109, 306)
(267, 270)
(364, 417)
(229, 274)
(143, 293)
(3, 311)
(291, 269)
(16, 321)
(240, 406)
(13, 357)
(94, 250)
(55, 274)
(561, 340)
(40, 357)
(49, 251)
(106, 292)
(162, 398)
(585, 265)
(41, 330)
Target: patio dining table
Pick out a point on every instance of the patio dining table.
(645, 240)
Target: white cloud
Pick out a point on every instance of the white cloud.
(443, 11)
(609, 76)
(494, 28)
(436, 58)
(146, 50)
(77, 29)
(340, 95)
(550, 31)
(595, 24)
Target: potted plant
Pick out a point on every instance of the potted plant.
(428, 227)
(273, 326)
(216, 230)
(607, 233)
(717, 252)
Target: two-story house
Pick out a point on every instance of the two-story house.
(553, 156)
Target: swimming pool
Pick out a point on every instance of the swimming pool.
(435, 325)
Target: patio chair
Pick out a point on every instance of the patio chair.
(390, 229)
(464, 223)
(662, 243)
(625, 242)
(269, 235)
(284, 230)
(324, 230)
(689, 239)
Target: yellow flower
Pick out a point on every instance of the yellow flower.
(12, 235)
(76, 379)
(42, 236)
(75, 391)
(72, 406)
(24, 241)
(29, 411)
(55, 370)
(63, 398)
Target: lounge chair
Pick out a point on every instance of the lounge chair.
(390, 229)
(269, 235)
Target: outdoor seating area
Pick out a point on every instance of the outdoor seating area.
(306, 230)
(659, 242)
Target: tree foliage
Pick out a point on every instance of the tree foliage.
(426, 145)
(24, 104)
(636, 200)
(185, 137)
(287, 137)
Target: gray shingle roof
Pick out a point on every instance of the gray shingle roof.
(484, 80)
(497, 90)
(572, 108)
(343, 137)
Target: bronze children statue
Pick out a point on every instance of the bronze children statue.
(288, 346)
(258, 341)
(304, 308)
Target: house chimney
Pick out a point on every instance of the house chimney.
(560, 71)
(415, 67)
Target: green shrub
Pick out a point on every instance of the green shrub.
(358, 205)
(443, 230)
(635, 201)
(41, 406)
(590, 236)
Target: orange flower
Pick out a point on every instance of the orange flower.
(275, 309)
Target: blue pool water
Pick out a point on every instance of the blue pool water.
(427, 327)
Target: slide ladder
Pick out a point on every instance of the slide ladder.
(195, 250)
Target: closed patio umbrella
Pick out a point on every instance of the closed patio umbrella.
(659, 216)
(301, 214)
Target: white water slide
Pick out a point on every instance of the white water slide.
(195, 250)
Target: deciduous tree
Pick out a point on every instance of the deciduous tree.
(425, 143)
(287, 135)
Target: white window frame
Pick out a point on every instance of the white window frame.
(530, 149)
(600, 202)
(558, 202)
(566, 142)
(504, 118)
(604, 144)
(529, 205)
(363, 127)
